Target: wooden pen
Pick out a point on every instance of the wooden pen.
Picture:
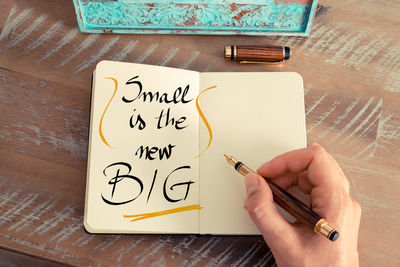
(291, 204)
(257, 54)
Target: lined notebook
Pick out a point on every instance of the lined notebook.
(158, 137)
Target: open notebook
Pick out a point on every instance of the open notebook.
(157, 141)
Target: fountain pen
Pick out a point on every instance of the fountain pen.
(291, 204)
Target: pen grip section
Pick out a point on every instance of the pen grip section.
(260, 54)
(292, 205)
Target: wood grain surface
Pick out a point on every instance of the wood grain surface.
(351, 70)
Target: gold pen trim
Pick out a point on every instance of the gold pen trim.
(228, 52)
(244, 170)
(322, 227)
(263, 62)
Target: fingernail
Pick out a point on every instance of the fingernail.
(252, 183)
(316, 146)
(263, 166)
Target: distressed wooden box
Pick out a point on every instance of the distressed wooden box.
(231, 17)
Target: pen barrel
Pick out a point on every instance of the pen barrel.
(261, 54)
(293, 206)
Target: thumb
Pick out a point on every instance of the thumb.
(262, 210)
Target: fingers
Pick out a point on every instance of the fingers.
(263, 212)
(313, 171)
(299, 180)
(322, 169)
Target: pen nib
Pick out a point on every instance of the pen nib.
(231, 160)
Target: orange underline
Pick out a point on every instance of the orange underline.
(161, 213)
(204, 120)
(104, 112)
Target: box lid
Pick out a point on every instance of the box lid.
(217, 17)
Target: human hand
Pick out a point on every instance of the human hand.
(314, 172)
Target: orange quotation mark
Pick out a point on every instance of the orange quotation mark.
(104, 112)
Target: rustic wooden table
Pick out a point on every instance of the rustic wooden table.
(351, 69)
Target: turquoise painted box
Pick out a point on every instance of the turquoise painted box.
(228, 17)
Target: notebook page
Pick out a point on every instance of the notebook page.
(254, 117)
(142, 149)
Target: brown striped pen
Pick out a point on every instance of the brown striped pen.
(291, 204)
(257, 54)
